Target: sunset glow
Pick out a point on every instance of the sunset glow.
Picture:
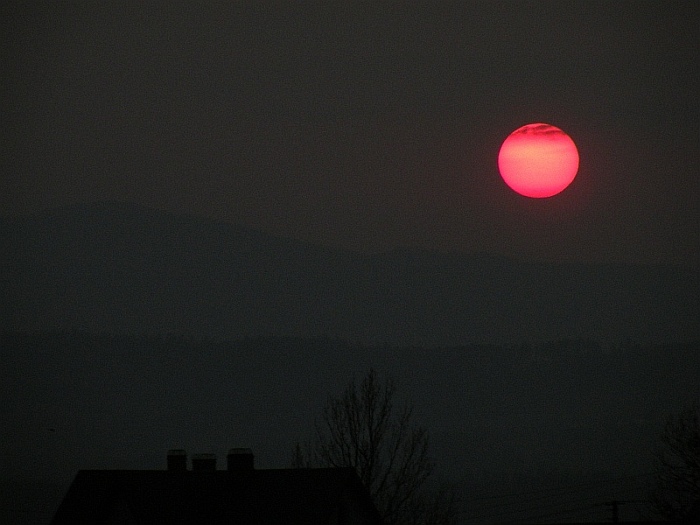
(538, 160)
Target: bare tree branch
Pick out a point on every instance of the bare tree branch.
(361, 429)
(677, 494)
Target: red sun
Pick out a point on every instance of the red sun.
(538, 160)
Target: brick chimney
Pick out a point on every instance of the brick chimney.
(204, 462)
(177, 460)
(240, 460)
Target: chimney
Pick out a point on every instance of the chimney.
(240, 460)
(204, 462)
(177, 460)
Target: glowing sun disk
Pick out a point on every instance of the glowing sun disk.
(538, 160)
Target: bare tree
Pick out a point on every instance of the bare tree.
(362, 429)
(677, 493)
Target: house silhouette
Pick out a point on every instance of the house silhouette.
(203, 495)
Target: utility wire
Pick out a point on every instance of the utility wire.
(558, 490)
(525, 510)
(491, 511)
(555, 514)
(544, 497)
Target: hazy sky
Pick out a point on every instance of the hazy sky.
(366, 126)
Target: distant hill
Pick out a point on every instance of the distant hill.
(119, 268)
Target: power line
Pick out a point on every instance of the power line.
(555, 514)
(537, 500)
(536, 508)
(560, 490)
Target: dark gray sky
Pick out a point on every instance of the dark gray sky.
(360, 125)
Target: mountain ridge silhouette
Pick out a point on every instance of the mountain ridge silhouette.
(122, 268)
